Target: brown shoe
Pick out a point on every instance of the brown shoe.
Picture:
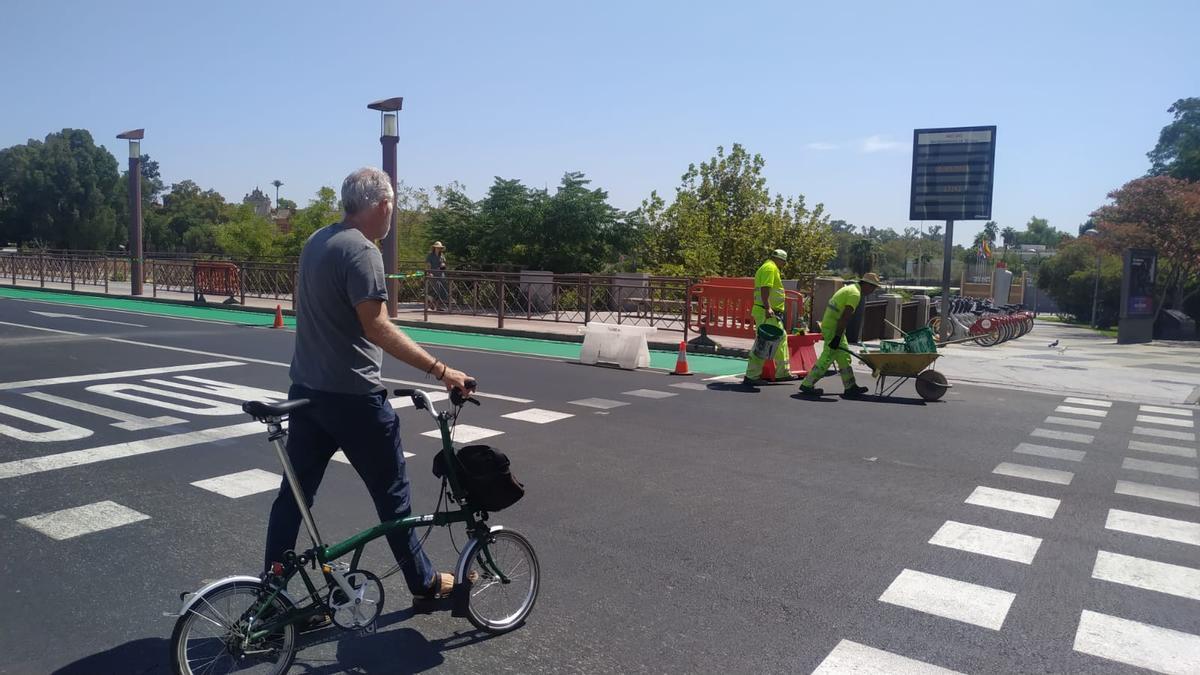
(443, 584)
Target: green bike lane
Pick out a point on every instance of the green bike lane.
(553, 349)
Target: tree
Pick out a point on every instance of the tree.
(989, 231)
(862, 256)
(185, 207)
(1162, 213)
(1177, 153)
(1009, 235)
(245, 235)
(1038, 231)
(285, 203)
(1070, 278)
(322, 210)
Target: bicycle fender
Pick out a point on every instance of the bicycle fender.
(462, 586)
(460, 568)
(191, 599)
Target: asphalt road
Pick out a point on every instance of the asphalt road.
(700, 530)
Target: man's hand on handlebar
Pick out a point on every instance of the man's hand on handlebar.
(458, 380)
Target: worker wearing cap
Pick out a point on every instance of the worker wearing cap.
(833, 330)
(769, 308)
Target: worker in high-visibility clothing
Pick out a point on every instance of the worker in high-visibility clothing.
(833, 330)
(769, 308)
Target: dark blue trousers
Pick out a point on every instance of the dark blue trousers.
(367, 430)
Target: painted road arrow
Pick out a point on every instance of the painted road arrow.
(56, 315)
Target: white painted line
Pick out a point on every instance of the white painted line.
(1149, 575)
(1017, 502)
(57, 430)
(986, 541)
(242, 483)
(1166, 421)
(56, 315)
(1034, 473)
(237, 392)
(1158, 527)
(340, 456)
(1138, 644)
(200, 352)
(1165, 411)
(1072, 422)
(723, 378)
(465, 433)
(1161, 468)
(1163, 449)
(852, 658)
(1050, 451)
(649, 394)
(121, 374)
(82, 520)
(601, 403)
(1055, 434)
(126, 421)
(949, 598)
(1157, 492)
(402, 402)
(198, 404)
(63, 460)
(48, 330)
(691, 386)
(1164, 433)
(537, 416)
(1089, 412)
(1088, 401)
(480, 394)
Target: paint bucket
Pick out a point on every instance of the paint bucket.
(766, 341)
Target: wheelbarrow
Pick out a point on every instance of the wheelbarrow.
(931, 385)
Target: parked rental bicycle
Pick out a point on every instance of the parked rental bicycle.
(250, 624)
(987, 324)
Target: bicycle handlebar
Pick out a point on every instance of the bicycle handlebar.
(421, 399)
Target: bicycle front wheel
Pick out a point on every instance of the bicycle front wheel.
(499, 604)
(211, 636)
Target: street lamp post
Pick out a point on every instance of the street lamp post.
(389, 138)
(1096, 284)
(135, 208)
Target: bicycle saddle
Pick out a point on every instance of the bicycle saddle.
(261, 410)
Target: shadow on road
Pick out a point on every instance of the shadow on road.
(139, 657)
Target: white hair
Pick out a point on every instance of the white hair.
(365, 188)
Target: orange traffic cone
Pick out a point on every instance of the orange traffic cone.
(768, 373)
(278, 317)
(681, 366)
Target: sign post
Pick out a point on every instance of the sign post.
(952, 176)
(1137, 314)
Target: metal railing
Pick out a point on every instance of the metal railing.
(74, 270)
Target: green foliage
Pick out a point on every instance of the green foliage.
(322, 210)
(862, 256)
(184, 208)
(724, 221)
(1070, 276)
(1177, 153)
(412, 216)
(247, 236)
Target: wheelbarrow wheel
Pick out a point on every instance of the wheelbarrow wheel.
(931, 385)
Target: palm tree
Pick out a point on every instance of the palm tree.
(989, 230)
(1009, 235)
(862, 256)
(277, 183)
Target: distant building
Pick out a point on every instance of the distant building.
(261, 203)
(283, 220)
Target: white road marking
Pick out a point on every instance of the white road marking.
(692, 386)
(649, 393)
(200, 352)
(242, 483)
(723, 378)
(401, 402)
(200, 406)
(949, 598)
(1165, 433)
(986, 541)
(1072, 422)
(1017, 502)
(58, 431)
(1166, 421)
(537, 416)
(1138, 644)
(1157, 492)
(1165, 411)
(1051, 452)
(126, 421)
(1055, 434)
(1149, 575)
(479, 394)
(852, 658)
(466, 433)
(1161, 468)
(114, 375)
(600, 403)
(41, 328)
(1163, 449)
(236, 392)
(56, 315)
(340, 456)
(63, 460)
(1158, 527)
(81, 520)
(1089, 412)
(1034, 473)
(1088, 401)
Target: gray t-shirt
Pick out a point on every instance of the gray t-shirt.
(339, 268)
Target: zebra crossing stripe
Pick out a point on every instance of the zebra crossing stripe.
(1056, 435)
(1088, 401)
(1072, 422)
(1165, 433)
(1165, 411)
(81, 520)
(537, 416)
(1157, 492)
(986, 541)
(852, 658)
(1161, 468)
(1016, 502)
(1149, 575)
(1138, 644)
(1166, 421)
(242, 483)
(1034, 473)
(1087, 412)
(1163, 449)
(949, 598)
(1050, 452)
(1158, 527)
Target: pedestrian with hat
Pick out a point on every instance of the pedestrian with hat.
(837, 316)
(435, 267)
(768, 310)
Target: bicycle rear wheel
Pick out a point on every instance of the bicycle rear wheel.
(493, 604)
(209, 637)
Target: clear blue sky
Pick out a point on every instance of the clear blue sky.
(233, 95)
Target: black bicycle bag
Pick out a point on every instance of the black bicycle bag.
(485, 476)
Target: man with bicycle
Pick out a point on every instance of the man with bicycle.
(342, 330)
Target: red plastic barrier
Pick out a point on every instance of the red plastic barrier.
(721, 306)
(216, 278)
(802, 355)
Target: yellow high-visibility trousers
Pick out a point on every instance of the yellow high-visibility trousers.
(754, 366)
